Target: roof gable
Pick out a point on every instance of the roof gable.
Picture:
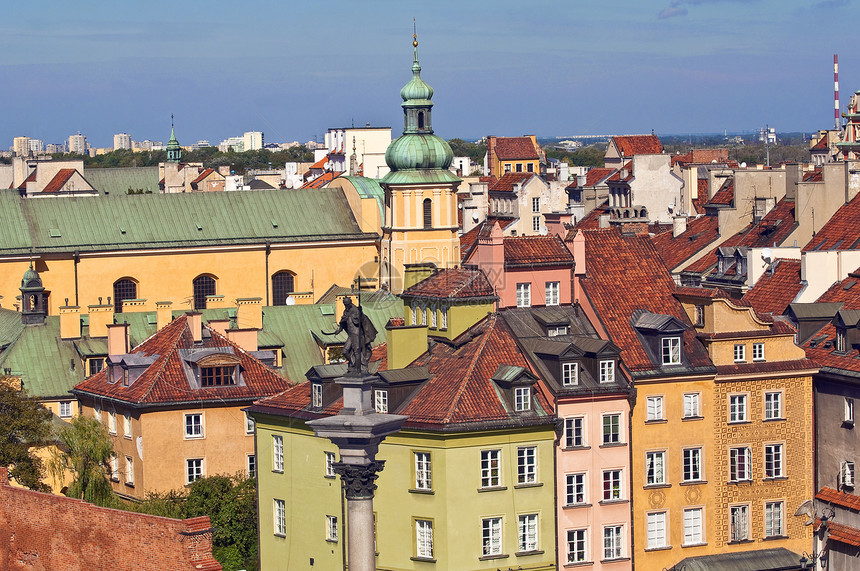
(629, 145)
(510, 148)
(456, 283)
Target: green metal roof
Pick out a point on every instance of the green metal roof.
(116, 181)
(369, 188)
(100, 223)
(10, 327)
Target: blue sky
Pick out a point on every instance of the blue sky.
(294, 69)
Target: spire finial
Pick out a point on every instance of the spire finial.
(171, 120)
(415, 40)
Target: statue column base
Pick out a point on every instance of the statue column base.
(358, 481)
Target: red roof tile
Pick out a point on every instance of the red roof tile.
(590, 221)
(815, 175)
(702, 156)
(847, 291)
(625, 274)
(166, 381)
(470, 238)
(453, 283)
(777, 288)
(821, 348)
(630, 145)
(508, 180)
(820, 145)
(30, 178)
(843, 533)
(767, 367)
(725, 196)
(536, 251)
(59, 180)
(841, 499)
(841, 232)
(322, 180)
(616, 176)
(509, 148)
(203, 175)
(675, 250)
(593, 176)
(320, 164)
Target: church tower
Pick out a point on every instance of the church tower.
(420, 192)
(174, 151)
(34, 301)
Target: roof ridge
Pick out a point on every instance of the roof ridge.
(491, 320)
(472, 277)
(155, 370)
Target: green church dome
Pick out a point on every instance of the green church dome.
(419, 152)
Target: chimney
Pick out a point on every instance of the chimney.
(118, 339)
(555, 223)
(70, 321)
(163, 314)
(244, 338)
(679, 225)
(581, 179)
(249, 313)
(219, 325)
(603, 221)
(100, 316)
(405, 343)
(414, 273)
(195, 324)
(491, 156)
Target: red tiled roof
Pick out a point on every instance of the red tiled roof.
(536, 251)
(702, 293)
(629, 145)
(203, 175)
(593, 176)
(702, 187)
(772, 229)
(824, 352)
(725, 196)
(815, 175)
(470, 238)
(675, 250)
(767, 367)
(843, 533)
(30, 178)
(165, 381)
(777, 288)
(590, 221)
(320, 164)
(847, 291)
(841, 499)
(322, 180)
(59, 180)
(625, 274)
(460, 389)
(702, 156)
(616, 176)
(820, 145)
(509, 148)
(841, 232)
(453, 283)
(508, 180)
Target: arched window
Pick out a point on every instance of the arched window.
(428, 213)
(283, 284)
(125, 288)
(420, 119)
(203, 286)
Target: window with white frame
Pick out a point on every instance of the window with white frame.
(846, 474)
(693, 526)
(575, 489)
(277, 453)
(655, 530)
(535, 205)
(316, 395)
(700, 316)
(280, 517)
(522, 399)
(491, 476)
(691, 405)
(251, 465)
(611, 428)
(737, 408)
(556, 330)
(841, 339)
(758, 351)
(773, 526)
(655, 463)
(126, 425)
(491, 536)
(739, 523)
(249, 424)
(524, 295)
(612, 485)
(654, 408)
(194, 425)
(423, 475)
(613, 542)
(740, 353)
(415, 315)
(569, 374)
(692, 464)
(422, 316)
(129, 470)
(331, 528)
(671, 350)
(424, 539)
(849, 410)
(526, 465)
(739, 464)
(65, 409)
(433, 321)
(380, 400)
(576, 546)
(574, 432)
(552, 289)
(443, 318)
(114, 467)
(773, 405)
(329, 465)
(97, 413)
(535, 223)
(773, 461)
(607, 371)
(527, 530)
(112, 422)
(193, 469)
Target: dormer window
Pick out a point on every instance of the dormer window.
(125, 377)
(556, 330)
(700, 316)
(522, 399)
(316, 395)
(220, 376)
(607, 371)
(380, 401)
(570, 374)
(841, 339)
(671, 350)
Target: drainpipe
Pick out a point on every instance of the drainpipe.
(268, 251)
(77, 261)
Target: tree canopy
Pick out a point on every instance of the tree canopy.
(23, 423)
(86, 451)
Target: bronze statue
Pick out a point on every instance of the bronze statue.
(360, 334)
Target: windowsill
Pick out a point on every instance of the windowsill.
(615, 560)
(116, 480)
(742, 362)
(193, 437)
(127, 436)
(579, 564)
(849, 424)
(686, 418)
(655, 486)
(528, 485)
(327, 477)
(662, 548)
(610, 502)
(613, 445)
(492, 489)
(774, 537)
(130, 484)
(733, 482)
(775, 479)
(693, 483)
(112, 433)
(421, 491)
(331, 541)
(683, 545)
(739, 422)
(759, 360)
(490, 557)
(527, 553)
(654, 421)
(772, 419)
(574, 506)
(278, 471)
(573, 448)
(740, 542)
(283, 535)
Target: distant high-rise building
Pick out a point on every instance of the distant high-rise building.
(21, 146)
(253, 140)
(78, 144)
(122, 141)
(37, 146)
(52, 148)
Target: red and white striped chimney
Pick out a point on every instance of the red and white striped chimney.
(836, 91)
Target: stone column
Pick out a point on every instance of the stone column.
(359, 484)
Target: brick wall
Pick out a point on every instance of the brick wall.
(54, 533)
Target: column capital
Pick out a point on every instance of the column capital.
(359, 479)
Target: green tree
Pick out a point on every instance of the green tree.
(85, 453)
(23, 423)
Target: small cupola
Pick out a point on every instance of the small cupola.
(34, 300)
